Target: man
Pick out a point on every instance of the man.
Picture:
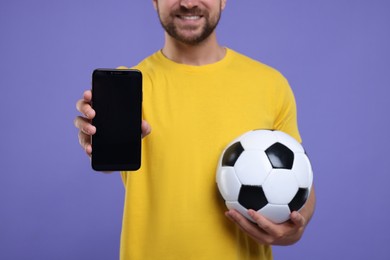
(198, 96)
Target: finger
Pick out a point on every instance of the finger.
(84, 105)
(87, 95)
(248, 227)
(85, 108)
(265, 224)
(237, 218)
(146, 128)
(298, 219)
(84, 125)
(85, 142)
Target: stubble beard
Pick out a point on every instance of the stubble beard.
(173, 29)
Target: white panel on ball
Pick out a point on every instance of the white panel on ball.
(280, 186)
(237, 206)
(276, 213)
(289, 141)
(257, 141)
(252, 167)
(228, 184)
(302, 170)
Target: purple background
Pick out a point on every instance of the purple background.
(334, 53)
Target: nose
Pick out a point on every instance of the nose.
(189, 3)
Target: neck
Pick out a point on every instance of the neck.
(206, 52)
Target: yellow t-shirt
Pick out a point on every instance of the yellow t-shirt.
(172, 206)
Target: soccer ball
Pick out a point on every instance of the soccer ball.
(267, 171)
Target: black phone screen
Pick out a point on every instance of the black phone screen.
(117, 100)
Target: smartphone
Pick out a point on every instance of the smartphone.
(117, 101)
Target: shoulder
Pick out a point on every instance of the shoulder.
(254, 67)
(150, 63)
(147, 66)
(256, 70)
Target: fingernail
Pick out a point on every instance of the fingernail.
(87, 130)
(89, 113)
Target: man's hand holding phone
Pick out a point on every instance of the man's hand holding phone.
(84, 122)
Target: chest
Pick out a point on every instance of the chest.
(208, 103)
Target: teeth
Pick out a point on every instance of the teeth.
(194, 17)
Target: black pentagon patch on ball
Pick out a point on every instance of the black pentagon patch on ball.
(231, 154)
(299, 199)
(280, 156)
(252, 197)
